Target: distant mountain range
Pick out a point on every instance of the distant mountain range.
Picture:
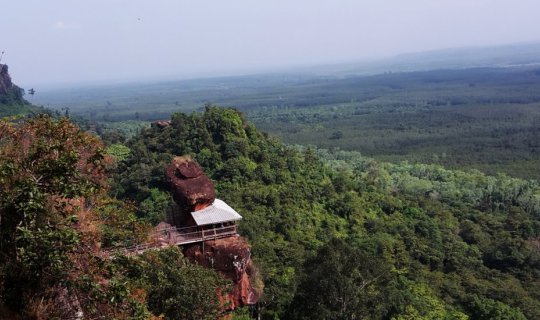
(452, 58)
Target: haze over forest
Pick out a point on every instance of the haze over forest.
(70, 43)
(270, 160)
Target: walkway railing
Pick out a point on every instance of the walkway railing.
(179, 236)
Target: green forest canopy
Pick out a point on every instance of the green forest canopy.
(410, 241)
(55, 220)
(449, 244)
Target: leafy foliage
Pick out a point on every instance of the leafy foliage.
(481, 118)
(53, 185)
(176, 288)
(118, 151)
(55, 216)
(45, 168)
(343, 283)
(444, 236)
(337, 235)
(495, 310)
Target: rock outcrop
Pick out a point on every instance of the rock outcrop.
(5, 80)
(192, 190)
(231, 257)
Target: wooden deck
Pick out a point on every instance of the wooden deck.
(179, 236)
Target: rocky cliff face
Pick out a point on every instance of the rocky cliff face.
(192, 190)
(232, 258)
(5, 80)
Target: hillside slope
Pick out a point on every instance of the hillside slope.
(11, 97)
(59, 230)
(419, 241)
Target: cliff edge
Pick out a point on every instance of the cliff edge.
(192, 191)
(5, 80)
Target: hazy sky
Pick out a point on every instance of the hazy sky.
(61, 41)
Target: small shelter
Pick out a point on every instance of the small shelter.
(217, 220)
(217, 214)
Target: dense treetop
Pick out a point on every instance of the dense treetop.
(452, 244)
(55, 220)
(336, 235)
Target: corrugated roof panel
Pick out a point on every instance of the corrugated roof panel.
(218, 212)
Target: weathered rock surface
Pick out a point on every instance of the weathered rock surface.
(231, 257)
(5, 80)
(191, 189)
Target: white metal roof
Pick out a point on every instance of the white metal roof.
(218, 212)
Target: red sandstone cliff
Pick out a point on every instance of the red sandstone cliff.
(192, 190)
(232, 258)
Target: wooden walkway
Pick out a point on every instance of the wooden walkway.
(179, 236)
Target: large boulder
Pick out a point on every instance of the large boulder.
(191, 189)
